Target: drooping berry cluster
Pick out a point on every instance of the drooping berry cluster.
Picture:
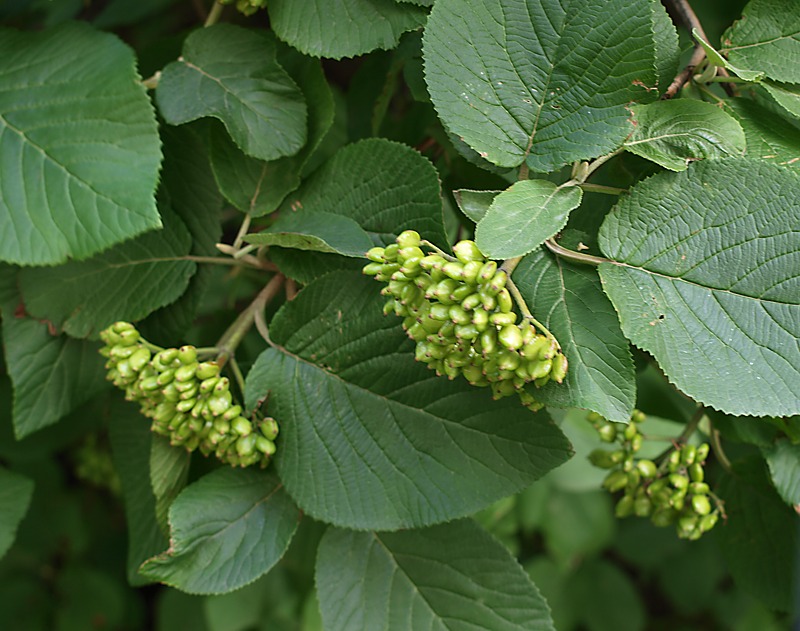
(460, 313)
(187, 400)
(673, 493)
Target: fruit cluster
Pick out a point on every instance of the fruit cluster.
(460, 313)
(672, 493)
(187, 400)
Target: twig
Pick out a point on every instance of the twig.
(687, 15)
(213, 15)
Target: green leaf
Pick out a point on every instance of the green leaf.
(474, 204)
(523, 216)
(569, 301)
(769, 137)
(236, 78)
(707, 280)
(787, 96)
(384, 186)
(52, 374)
(189, 187)
(169, 471)
(359, 27)
(539, 81)
(716, 59)
(227, 529)
(371, 439)
(768, 38)
(15, 496)
(667, 50)
(126, 283)
(79, 149)
(131, 437)
(784, 467)
(454, 576)
(257, 187)
(676, 132)
(759, 540)
(317, 231)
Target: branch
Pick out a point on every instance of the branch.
(687, 15)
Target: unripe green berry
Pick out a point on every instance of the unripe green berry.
(624, 507)
(467, 251)
(696, 472)
(643, 506)
(602, 459)
(688, 454)
(265, 446)
(702, 452)
(139, 359)
(615, 481)
(408, 238)
(504, 302)
(206, 370)
(647, 468)
(375, 254)
(240, 425)
(701, 505)
(607, 432)
(510, 336)
(269, 428)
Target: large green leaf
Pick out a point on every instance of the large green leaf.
(453, 576)
(258, 187)
(371, 439)
(569, 301)
(384, 186)
(760, 538)
(317, 231)
(539, 81)
(131, 437)
(15, 496)
(52, 374)
(126, 283)
(79, 149)
(523, 216)
(784, 467)
(232, 74)
(707, 279)
(767, 38)
(227, 529)
(673, 133)
(769, 137)
(342, 28)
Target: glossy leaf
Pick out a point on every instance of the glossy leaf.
(676, 132)
(569, 301)
(769, 137)
(542, 81)
(79, 149)
(523, 216)
(52, 374)
(126, 283)
(474, 204)
(767, 38)
(454, 576)
(169, 471)
(707, 279)
(384, 186)
(227, 529)
(784, 466)
(714, 57)
(371, 439)
(236, 78)
(258, 187)
(359, 26)
(16, 491)
(317, 231)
